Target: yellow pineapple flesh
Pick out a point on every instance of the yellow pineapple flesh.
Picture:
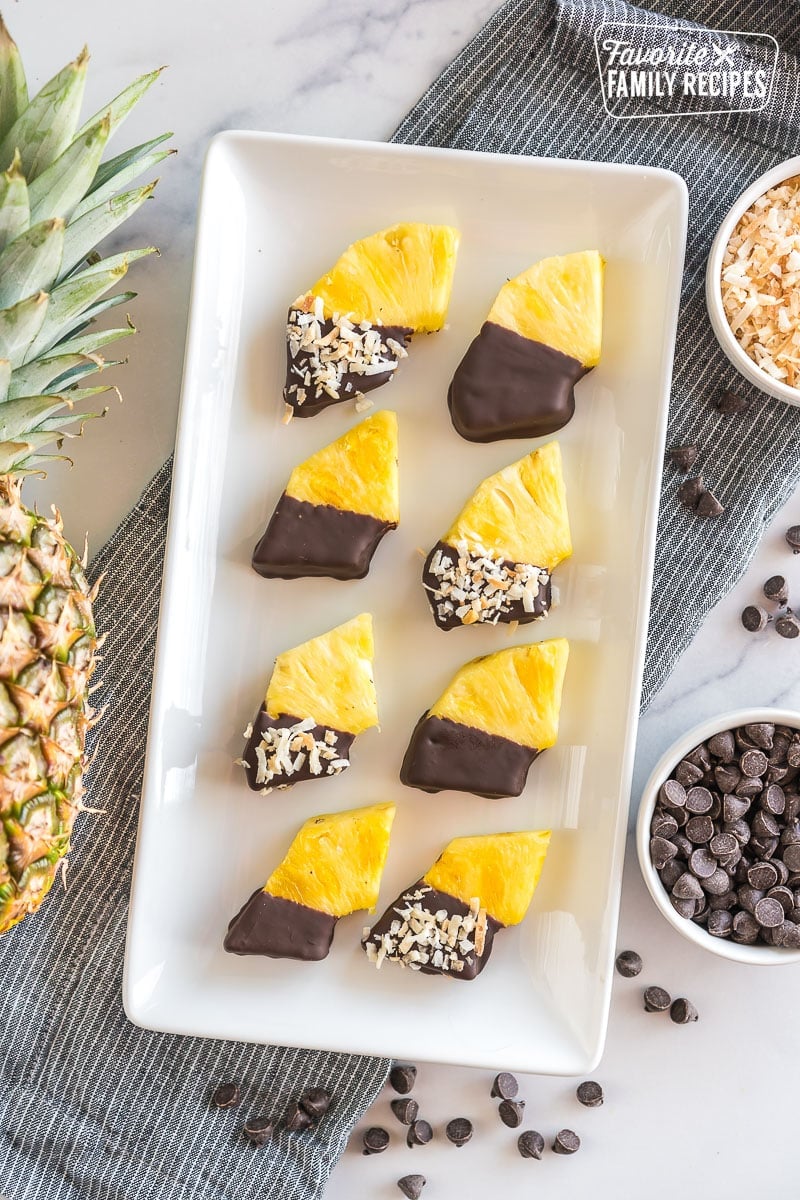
(356, 473)
(558, 302)
(501, 869)
(336, 861)
(400, 276)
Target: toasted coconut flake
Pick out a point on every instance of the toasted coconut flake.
(421, 937)
(282, 752)
(476, 585)
(333, 351)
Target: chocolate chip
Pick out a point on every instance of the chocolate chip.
(225, 1096)
(505, 1086)
(764, 825)
(791, 938)
(419, 1134)
(530, 1144)
(761, 733)
(670, 873)
(459, 1131)
(682, 844)
(764, 847)
(754, 618)
(402, 1078)
(656, 999)
(566, 1142)
(724, 902)
(406, 1110)
(749, 897)
(511, 1112)
(672, 794)
(793, 753)
(784, 896)
(375, 1140)
(775, 589)
(663, 824)
(687, 773)
(628, 965)
(411, 1186)
(717, 884)
(590, 1093)
(722, 844)
(768, 912)
(686, 887)
(753, 763)
(685, 908)
(297, 1119)
(699, 829)
(723, 746)
(682, 1011)
(698, 800)
(258, 1130)
(773, 800)
(749, 788)
(702, 863)
(745, 928)
(762, 876)
(787, 626)
(720, 923)
(792, 536)
(734, 807)
(709, 506)
(691, 490)
(700, 757)
(730, 404)
(316, 1102)
(661, 851)
(791, 856)
(727, 776)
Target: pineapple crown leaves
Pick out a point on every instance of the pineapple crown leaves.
(58, 199)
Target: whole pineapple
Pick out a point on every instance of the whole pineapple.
(57, 201)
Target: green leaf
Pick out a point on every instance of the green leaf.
(5, 370)
(89, 342)
(19, 417)
(57, 191)
(19, 326)
(32, 262)
(71, 301)
(13, 88)
(113, 168)
(84, 233)
(47, 125)
(46, 374)
(14, 208)
(114, 185)
(122, 104)
(89, 315)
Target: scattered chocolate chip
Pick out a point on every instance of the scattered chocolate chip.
(411, 1186)
(590, 1093)
(530, 1144)
(375, 1140)
(682, 1011)
(787, 626)
(656, 999)
(691, 490)
(459, 1131)
(754, 618)
(511, 1112)
(316, 1102)
(730, 404)
(406, 1110)
(683, 457)
(297, 1119)
(225, 1096)
(505, 1086)
(792, 536)
(419, 1134)
(566, 1142)
(709, 506)
(402, 1078)
(258, 1130)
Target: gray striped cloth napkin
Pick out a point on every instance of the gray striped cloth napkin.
(92, 1108)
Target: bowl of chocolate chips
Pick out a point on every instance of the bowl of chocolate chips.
(718, 835)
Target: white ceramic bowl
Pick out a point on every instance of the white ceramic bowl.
(724, 947)
(719, 322)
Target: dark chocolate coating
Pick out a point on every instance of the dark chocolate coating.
(444, 755)
(279, 928)
(351, 385)
(516, 610)
(509, 386)
(262, 723)
(434, 900)
(305, 540)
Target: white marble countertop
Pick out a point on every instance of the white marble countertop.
(708, 1106)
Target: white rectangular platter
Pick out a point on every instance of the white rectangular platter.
(275, 212)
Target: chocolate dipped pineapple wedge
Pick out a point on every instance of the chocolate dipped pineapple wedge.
(446, 922)
(347, 334)
(542, 334)
(497, 714)
(337, 506)
(332, 868)
(320, 697)
(495, 561)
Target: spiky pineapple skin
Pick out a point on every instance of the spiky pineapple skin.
(47, 656)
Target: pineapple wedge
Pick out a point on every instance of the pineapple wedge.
(498, 713)
(332, 868)
(320, 697)
(543, 333)
(347, 334)
(495, 561)
(486, 882)
(337, 506)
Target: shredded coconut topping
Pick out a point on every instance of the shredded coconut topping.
(419, 937)
(480, 586)
(324, 352)
(283, 752)
(761, 282)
